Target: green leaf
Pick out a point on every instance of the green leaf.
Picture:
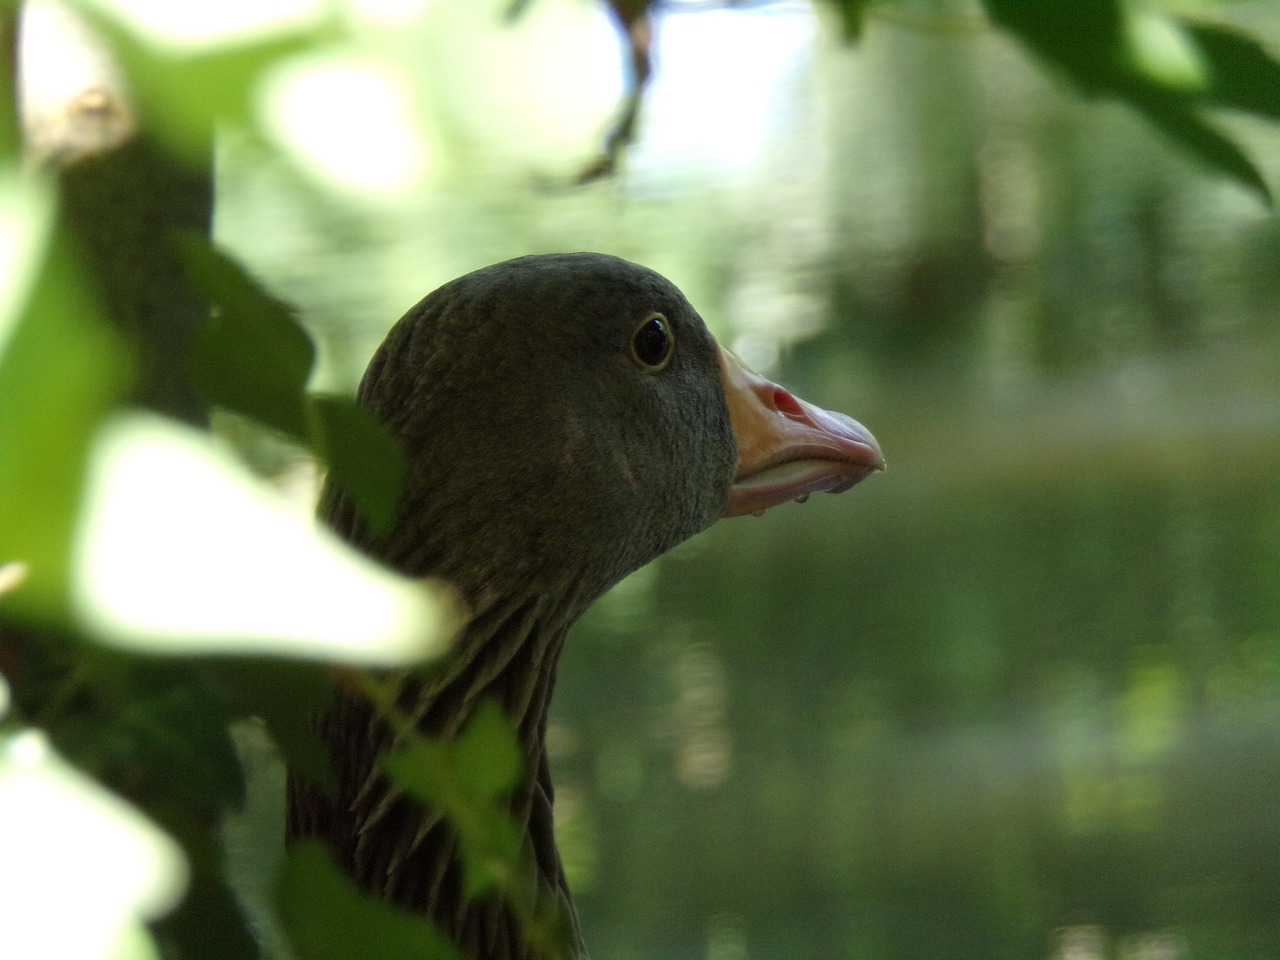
(363, 457)
(1203, 141)
(482, 767)
(183, 552)
(177, 732)
(488, 758)
(284, 696)
(81, 869)
(252, 357)
(1161, 49)
(327, 918)
(1164, 68)
(61, 370)
(1243, 75)
(469, 781)
(255, 359)
(209, 924)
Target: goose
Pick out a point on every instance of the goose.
(566, 419)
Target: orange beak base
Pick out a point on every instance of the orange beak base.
(789, 448)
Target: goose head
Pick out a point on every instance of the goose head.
(565, 419)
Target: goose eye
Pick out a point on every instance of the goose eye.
(652, 343)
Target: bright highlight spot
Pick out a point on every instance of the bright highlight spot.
(389, 11)
(26, 207)
(70, 848)
(715, 102)
(351, 121)
(1162, 49)
(181, 551)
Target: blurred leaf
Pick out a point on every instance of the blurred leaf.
(488, 757)
(10, 122)
(252, 357)
(209, 923)
(1203, 140)
(516, 9)
(285, 696)
(183, 552)
(185, 94)
(469, 781)
(157, 726)
(362, 455)
(327, 918)
(1244, 75)
(488, 841)
(1154, 67)
(481, 767)
(1160, 48)
(26, 222)
(61, 369)
(853, 14)
(81, 869)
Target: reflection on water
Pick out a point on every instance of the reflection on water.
(1020, 696)
(957, 729)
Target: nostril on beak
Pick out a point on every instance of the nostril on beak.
(786, 404)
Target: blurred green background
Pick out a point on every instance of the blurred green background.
(1020, 696)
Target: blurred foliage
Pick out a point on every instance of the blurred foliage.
(332, 920)
(470, 780)
(1166, 66)
(255, 360)
(154, 730)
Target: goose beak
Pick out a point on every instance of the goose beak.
(789, 448)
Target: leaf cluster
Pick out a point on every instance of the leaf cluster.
(1175, 71)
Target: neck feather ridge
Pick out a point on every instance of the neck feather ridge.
(398, 850)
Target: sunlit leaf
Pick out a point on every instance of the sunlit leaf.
(482, 766)
(351, 119)
(469, 780)
(135, 943)
(183, 552)
(488, 841)
(60, 371)
(26, 218)
(488, 757)
(252, 357)
(1160, 47)
(327, 918)
(362, 455)
(81, 869)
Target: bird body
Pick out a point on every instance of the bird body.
(565, 420)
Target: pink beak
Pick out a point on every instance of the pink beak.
(788, 448)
